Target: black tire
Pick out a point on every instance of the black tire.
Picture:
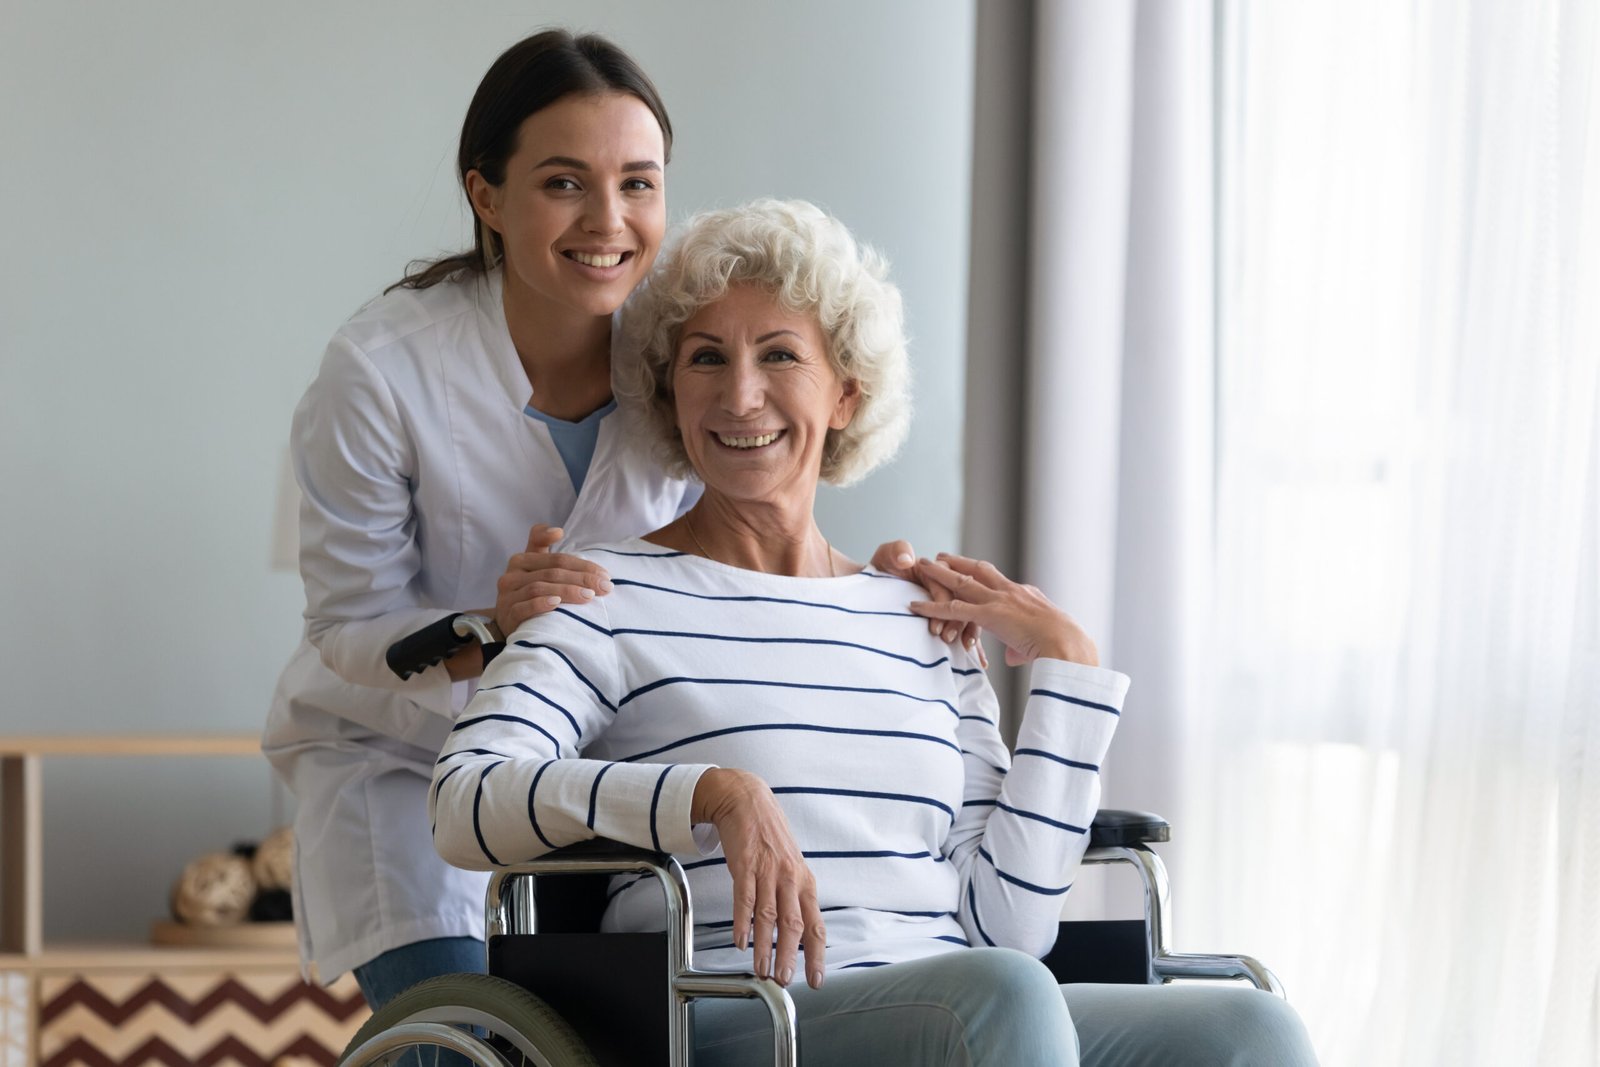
(522, 1023)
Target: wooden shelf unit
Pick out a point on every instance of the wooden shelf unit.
(65, 1004)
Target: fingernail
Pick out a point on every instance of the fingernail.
(588, 594)
(905, 559)
(552, 600)
(815, 979)
(971, 644)
(605, 585)
(786, 976)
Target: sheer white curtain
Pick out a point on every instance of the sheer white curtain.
(1404, 813)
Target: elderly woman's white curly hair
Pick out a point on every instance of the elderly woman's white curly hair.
(812, 264)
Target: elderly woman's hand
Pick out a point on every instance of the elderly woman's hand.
(536, 580)
(1019, 615)
(896, 558)
(772, 885)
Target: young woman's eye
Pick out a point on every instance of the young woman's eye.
(638, 185)
(561, 184)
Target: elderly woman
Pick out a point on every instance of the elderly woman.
(830, 774)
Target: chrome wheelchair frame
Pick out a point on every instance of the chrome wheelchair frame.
(512, 912)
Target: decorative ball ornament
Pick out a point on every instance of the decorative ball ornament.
(273, 864)
(214, 890)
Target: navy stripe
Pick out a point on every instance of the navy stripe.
(972, 906)
(764, 600)
(658, 683)
(668, 554)
(849, 907)
(1074, 700)
(1036, 817)
(1043, 890)
(577, 731)
(966, 672)
(1042, 754)
(869, 794)
(594, 793)
(720, 861)
(469, 752)
(655, 801)
(977, 718)
(699, 636)
(477, 827)
(575, 617)
(963, 942)
(979, 803)
(786, 726)
(440, 785)
(573, 667)
(500, 717)
(864, 963)
(533, 819)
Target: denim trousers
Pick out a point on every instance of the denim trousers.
(995, 1006)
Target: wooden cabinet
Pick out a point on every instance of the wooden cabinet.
(137, 1003)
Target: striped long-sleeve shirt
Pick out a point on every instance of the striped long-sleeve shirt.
(878, 739)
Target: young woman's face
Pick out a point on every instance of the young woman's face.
(582, 209)
(756, 396)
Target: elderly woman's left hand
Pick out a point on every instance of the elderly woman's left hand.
(897, 558)
(1019, 615)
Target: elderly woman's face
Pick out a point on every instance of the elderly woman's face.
(756, 396)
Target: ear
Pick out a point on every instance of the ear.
(845, 409)
(485, 199)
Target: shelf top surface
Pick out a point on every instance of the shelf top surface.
(131, 745)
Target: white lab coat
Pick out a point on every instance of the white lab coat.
(421, 475)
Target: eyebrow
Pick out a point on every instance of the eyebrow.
(578, 164)
(714, 339)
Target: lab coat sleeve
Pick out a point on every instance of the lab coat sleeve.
(1024, 822)
(358, 550)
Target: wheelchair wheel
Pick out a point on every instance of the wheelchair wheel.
(525, 1030)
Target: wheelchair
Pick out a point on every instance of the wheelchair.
(560, 994)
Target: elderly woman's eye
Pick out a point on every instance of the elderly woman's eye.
(781, 355)
(705, 357)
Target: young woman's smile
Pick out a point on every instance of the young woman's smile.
(582, 210)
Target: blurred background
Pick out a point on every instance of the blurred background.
(1264, 337)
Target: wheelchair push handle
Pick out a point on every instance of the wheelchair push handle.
(438, 641)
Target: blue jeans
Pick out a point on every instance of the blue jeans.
(384, 978)
(988, 1006)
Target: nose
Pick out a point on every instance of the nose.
(743, 391)
(602, 214)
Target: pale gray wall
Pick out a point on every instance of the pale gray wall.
(194, 194)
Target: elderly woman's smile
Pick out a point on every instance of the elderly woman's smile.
(756, 394)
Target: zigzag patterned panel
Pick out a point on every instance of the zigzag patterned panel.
(204, 1020)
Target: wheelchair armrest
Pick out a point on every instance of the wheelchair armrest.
(1113, 828)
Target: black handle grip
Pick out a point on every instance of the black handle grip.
(421, 650)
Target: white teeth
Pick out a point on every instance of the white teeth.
(747, 442)
(597, 261)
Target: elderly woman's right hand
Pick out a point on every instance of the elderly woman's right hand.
(773, 888)
(536, 580)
